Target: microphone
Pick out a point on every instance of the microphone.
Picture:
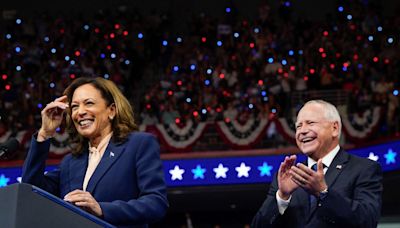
(10, 146)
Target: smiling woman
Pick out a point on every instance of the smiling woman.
(97, 98)
(91, 114)
(114, 172)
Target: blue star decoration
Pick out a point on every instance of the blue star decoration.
(4, 180)
(265, 169)
(390, 157)
(198, 172)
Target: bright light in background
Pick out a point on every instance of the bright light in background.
(349, 17)
(263, 93)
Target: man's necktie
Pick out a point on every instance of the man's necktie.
(313, 199)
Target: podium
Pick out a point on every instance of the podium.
(24, 205)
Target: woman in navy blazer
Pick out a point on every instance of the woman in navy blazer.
(127, 187)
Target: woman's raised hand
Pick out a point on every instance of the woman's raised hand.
(52, 116)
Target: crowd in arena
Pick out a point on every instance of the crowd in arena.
(213, 68)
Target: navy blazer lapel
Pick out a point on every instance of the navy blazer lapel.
(77, 170)
(302, 197)
(336, 167)
(111, 154)
(301, 203)
(332, 173)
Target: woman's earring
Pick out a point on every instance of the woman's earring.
(111, 118)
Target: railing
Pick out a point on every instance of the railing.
(336, 97)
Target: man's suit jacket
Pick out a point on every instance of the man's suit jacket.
(354, 198)
(128, 182)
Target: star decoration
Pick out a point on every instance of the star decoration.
(19, 179)
(4, 180)
(390, 157)
(242, 170)
(198, 172)
(176, 173)
(265, 169)
(220, 171)
(373, 157)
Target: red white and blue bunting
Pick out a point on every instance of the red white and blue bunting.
(174, 138)
(360, 126)
(242, 136)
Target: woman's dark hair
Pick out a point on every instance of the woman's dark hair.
(122, 124)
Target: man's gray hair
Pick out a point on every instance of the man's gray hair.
(331, 112)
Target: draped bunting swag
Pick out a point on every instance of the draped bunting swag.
(356, 127)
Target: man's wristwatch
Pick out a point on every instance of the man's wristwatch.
(323, 194)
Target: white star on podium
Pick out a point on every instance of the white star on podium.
(176, 173)
(243, 170)
(220, 171)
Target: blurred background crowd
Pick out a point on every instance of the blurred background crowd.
(208, 68)
(190, 65)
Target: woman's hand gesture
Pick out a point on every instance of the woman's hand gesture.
(52, 116)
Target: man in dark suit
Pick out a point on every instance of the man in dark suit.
(343, 191)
